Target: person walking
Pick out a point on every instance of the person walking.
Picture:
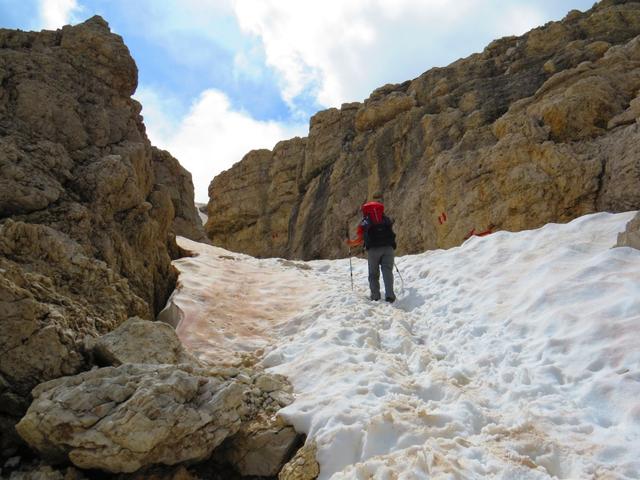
(375, 231)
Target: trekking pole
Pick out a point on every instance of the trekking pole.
(401, 279)
(346, 230)
(351, 269)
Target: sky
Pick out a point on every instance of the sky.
(218, 78)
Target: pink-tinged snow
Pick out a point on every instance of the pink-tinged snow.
(231, 304)
(513, 356)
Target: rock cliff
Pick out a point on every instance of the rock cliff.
(86, 206)
(176, 181)
(535, 129)
(631, 236)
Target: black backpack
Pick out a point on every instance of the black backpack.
(379, 234)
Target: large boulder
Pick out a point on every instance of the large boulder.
(121, 419)
(157, 405)
(141, 341)
(535, 129)
(136, 416)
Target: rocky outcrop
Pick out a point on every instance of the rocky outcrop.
(261, 450)
(303, 466)
(86, 207)
(155, 404)
(263, 445)
(52, 295)
(535, 129)
(631, 236)
(121, 419)
(141, 341)
(173, 179)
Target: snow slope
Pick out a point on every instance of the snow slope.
(513, 356)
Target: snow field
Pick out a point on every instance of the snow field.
(513, 356)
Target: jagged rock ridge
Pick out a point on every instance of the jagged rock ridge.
(535, 129)
(87, 208)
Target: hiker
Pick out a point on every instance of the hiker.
(376, 232)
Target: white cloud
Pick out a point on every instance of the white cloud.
(56, 13)
(211, 137)
(248, 64)
(518, 20)
(343, 50)
(301, 40)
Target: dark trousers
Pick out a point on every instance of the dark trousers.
(381, 258)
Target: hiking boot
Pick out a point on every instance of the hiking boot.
(390, 299)
(374, 298)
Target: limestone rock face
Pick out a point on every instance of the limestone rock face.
(173, 179)
(64, 296)
(85, 221)
(121, 419)
(142, 341)
(631, 236)
(260, 211)
(383, 105)
(535, 129)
